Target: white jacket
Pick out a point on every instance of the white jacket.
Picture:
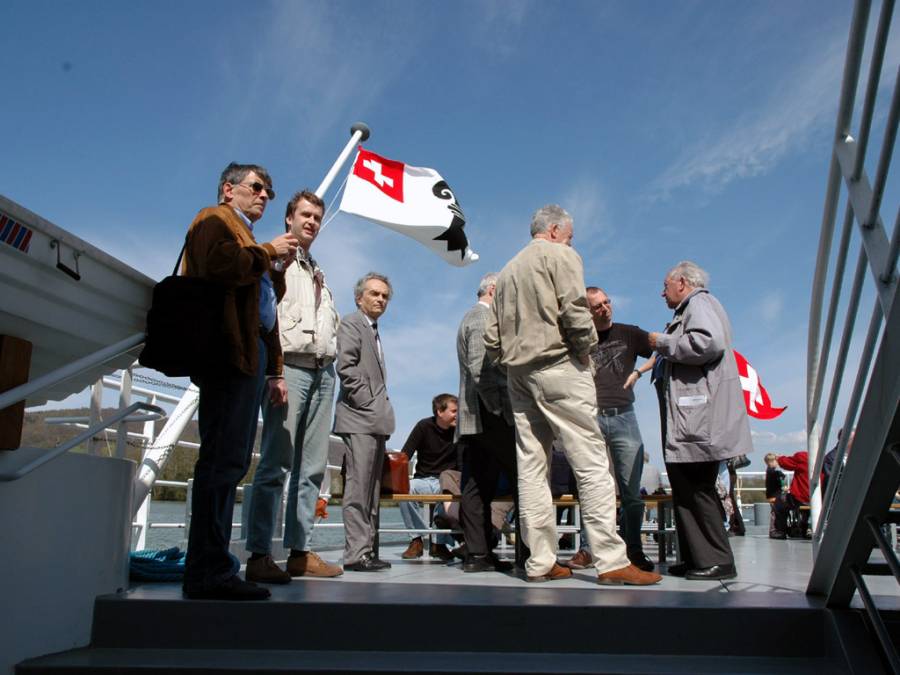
(305, 331)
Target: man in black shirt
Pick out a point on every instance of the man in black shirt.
(432, 440)
(613, 360)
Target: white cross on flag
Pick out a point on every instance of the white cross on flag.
(411, 200)
(756, 398)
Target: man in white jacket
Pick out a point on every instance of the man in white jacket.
(295, 436)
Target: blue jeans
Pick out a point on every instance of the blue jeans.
(228, 414)
(623, 437)
(412, 511)
(295, 442)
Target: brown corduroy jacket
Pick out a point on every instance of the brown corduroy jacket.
(221, 248)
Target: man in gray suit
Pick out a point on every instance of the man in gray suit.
(485, 432)
(364, 419)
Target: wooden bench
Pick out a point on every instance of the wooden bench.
(663, 503)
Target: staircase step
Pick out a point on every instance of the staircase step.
(264, 662)
(376, 617)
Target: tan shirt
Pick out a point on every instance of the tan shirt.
(540, 312)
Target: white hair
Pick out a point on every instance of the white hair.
(548, 215)
(691, 272)
(488, 280)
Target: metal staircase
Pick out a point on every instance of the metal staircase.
(850, 516)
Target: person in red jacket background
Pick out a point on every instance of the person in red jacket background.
(797, 495)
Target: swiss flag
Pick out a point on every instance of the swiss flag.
(385, 174)
(756, 398)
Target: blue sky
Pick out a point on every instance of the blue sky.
(696, 130)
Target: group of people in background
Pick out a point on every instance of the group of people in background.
(542, 365)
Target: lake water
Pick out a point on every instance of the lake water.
(323, 538)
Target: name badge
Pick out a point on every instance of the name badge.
(691, 401)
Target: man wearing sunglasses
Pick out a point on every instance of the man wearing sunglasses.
(221, 247)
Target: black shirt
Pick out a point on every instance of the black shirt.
(614, 358)
(435, 446)
(774, 482)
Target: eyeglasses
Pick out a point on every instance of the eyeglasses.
(257, 187)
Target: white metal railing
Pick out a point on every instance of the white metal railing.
(33, 461)
(860, 491)
(101, 356)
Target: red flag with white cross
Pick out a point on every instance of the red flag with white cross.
(385, 174)
(756, 398)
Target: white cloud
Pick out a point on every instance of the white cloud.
(586, 202)
(770, 306)
(803, 100)
(313, 68)
(497, 29)
(790, 438)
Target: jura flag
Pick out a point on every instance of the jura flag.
(756, 398)
(411, 200)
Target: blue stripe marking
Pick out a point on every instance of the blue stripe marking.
(22, 232)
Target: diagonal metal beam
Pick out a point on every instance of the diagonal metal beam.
(869, 479)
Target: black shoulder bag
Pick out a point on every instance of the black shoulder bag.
(185, 325)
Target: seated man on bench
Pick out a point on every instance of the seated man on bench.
(797, 496)
(432, 440)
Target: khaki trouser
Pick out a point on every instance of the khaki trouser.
(559, 402)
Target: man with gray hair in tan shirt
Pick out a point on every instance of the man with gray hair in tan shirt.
(541, 331)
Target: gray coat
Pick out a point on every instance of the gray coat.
(477, 376)
(705, 417)
(363, 405)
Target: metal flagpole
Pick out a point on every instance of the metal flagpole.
(158, 452)
(358, 133)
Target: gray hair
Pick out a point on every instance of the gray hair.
(488, 280)
(234, 173)
(546, 216)
(361, 285)
(691, 272)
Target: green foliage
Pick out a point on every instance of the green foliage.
(180, 467)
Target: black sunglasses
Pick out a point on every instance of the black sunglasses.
(258, 187)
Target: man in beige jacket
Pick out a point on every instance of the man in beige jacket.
(295, 437)
(540, 329)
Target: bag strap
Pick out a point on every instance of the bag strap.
(180, 255)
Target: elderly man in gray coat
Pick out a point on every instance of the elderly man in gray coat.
(703, 418)
(364, 419)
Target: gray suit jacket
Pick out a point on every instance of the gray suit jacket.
(363, 405)
(478, 376)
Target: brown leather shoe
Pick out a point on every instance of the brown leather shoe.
(414, 550)
(630, 576)
(556, 572)
(309, 564)
(580, 560)
(265, 571)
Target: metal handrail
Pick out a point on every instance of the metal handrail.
(70, 370)
(859, 491)
(52, 453)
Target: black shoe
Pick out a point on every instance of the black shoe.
(777, 535)
(234, 588)
(441, 552)
(641, 561)
(500, 565)
(478, 563)
(714, 573)
(678, 570)
(368, 563)
(460, 552)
